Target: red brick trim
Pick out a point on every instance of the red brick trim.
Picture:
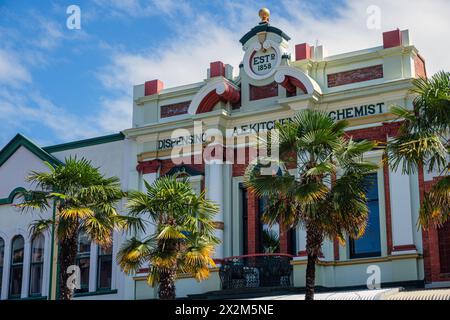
(230, 94)
(404, 247)
(419, 66)
(354, 76)
(291, 84)
(145, 167)
(153, 87)
(303, 51)
(392, 39)
(302, 253)
(263, 92)
(387, 204)
(336, 249)
(174, 109)
(217, 69)
(252, 223)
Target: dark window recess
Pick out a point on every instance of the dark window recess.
(36, 266)
(175, 109)
(444, 247)
(83, 261)
(104, 272)
(2, 258)
(263, 92)
(369, 245)
(16, 271)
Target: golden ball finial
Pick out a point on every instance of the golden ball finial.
(264, 14)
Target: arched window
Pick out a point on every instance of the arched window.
(15, 275)
(36, 265)
(83, 261)
(2, 254)
(104, 267)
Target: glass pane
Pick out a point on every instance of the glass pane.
(17, 250)
(2, 253)
(105, 272)
(36, 279)
(37, 249)
(84, 244)
(370, 244)
(15, 286)
(83, 263)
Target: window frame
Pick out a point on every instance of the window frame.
(14, 266)
(373, 254)
(86, 255)
(34, 264)
(100, 257)
(2, 259)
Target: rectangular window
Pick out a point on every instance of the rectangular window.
(104, 272)
(369, 245)
(36, 265)
(83, 261)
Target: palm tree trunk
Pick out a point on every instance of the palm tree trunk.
(66, 258)
(314, 239)
(167, 285)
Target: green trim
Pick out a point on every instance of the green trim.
(30, 298)
(11, 196)
(85, 143)
(96, 293)
(263, 27)
(21, 141)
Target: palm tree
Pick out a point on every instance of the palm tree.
(84, 201)
(183, 240)
(423, 142)
(327, 195)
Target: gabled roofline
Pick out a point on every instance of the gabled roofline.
(85, 143)
(22, 141)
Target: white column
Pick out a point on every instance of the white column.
(401, 212)
(93, 268)
(26, 268)
(214, 186)
(6, 269)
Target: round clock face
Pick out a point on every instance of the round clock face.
(262, 62)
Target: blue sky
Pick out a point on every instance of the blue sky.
(58, 85)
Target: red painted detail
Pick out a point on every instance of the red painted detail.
(217, 69)
(263, 92)
(174, 109)
(419, 66)
(291, 84)
(355, 76)
(252, 223)
(259, 255)
(336, 249)
(153, 87)
(302, 253)
(387, 197)
(392, 38)
(405, 247)
(212, 98)
(151, 166)
(302, 51)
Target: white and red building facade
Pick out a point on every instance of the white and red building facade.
(275, 80)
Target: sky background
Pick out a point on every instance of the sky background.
(59, 85)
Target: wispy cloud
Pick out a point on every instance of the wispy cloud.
(12, 71)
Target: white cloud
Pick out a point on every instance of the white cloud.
(115, 114)
(12, 71)
(184, 58)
